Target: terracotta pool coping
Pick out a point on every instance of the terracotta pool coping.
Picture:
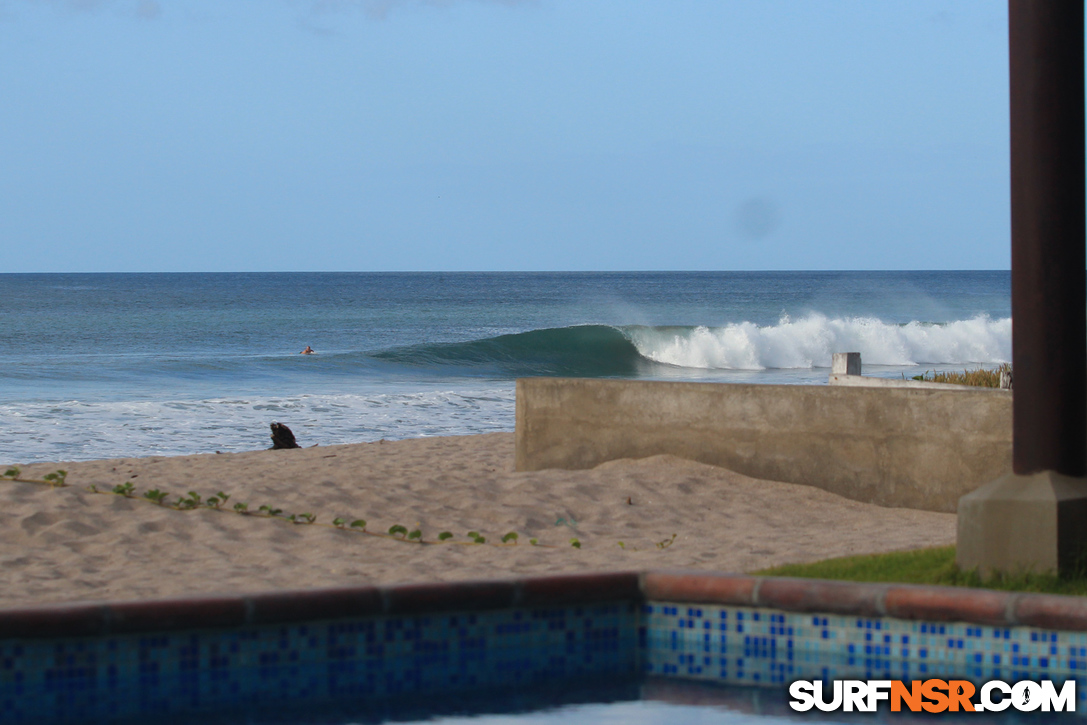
(291, 606)
(931, 603)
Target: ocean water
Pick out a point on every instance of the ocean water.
(109, 365)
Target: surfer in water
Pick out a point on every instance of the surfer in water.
(307, 351)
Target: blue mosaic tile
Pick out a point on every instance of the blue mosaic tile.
(128, 675)
(123, 676)
(778, 647)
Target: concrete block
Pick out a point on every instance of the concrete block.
(846, 363)
(1035, 523)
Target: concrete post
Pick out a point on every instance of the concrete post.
(846, 363)
(1035, 518)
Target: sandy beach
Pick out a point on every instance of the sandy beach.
(69, 544)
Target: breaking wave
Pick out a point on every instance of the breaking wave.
(811, 341)
(603, 350)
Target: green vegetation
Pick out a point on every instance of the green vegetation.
(193, 501)
(155, 496)
(978, 378)
(929, 566)
(56, 479)
(217, 500)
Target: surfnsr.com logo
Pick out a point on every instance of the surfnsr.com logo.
(933, 696)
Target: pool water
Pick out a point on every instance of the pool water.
(596, 701)
(638, 712)
(597, 662)
(687, 703)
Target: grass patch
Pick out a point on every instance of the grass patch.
(978, 378)
(929, 566)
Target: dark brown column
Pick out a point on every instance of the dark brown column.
(1049, 321)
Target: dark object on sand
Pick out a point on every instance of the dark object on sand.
(282, 437)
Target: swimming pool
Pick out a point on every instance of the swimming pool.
(436, 649)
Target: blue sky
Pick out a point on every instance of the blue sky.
(371, 135)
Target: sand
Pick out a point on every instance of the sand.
(68, 544)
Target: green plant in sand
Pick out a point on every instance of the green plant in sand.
(186, 503)
(216, 502)
(155, 496)
(56, 479)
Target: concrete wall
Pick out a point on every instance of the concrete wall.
(864, 381)
(891, 446)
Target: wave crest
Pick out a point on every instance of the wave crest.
(606, 351)
(579, 351)
(811, 341)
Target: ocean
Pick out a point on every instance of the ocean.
(119, 365)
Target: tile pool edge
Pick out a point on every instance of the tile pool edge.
(82, 662)
(899, 601)
(89, 619)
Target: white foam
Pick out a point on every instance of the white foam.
(81, 430)
(89, 429)
(811, 341)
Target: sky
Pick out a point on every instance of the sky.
(447, 135)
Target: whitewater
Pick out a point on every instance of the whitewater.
(811, 341)
(105, 365)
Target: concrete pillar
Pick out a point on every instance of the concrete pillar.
(1035, 518)
(846, 363)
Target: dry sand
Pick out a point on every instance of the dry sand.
(68, 544)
